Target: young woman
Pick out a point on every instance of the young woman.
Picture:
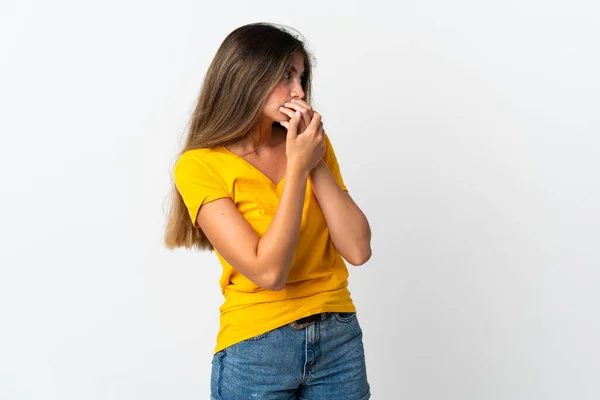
(258, 183)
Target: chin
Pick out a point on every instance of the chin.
(278, 116)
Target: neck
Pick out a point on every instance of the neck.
(261, 137)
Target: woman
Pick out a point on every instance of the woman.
(258, 182)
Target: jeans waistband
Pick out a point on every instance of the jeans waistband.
(311, 319)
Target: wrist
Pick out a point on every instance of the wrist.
(318, 170)
(318, 167)
(294, 170)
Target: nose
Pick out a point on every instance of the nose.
(297, 91)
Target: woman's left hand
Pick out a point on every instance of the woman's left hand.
(305, 109)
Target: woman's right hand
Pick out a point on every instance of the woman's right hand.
(305, 149)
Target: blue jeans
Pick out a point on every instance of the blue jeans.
(324, 360)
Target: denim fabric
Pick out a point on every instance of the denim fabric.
(324, 360)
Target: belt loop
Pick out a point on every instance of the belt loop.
(323, 316)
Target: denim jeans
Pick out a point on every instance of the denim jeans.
(324, 360)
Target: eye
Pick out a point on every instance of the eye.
(286, 75)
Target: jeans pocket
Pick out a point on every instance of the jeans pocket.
(345, 317)
(216, 375)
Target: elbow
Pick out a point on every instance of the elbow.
(278, 287)
(361, 257)
(275, 287)
(274, 282)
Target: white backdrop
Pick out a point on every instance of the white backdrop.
(467, 131)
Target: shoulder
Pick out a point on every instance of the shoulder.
(205, 162)
(196, 154)
(198, 158)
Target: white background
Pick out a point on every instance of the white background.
(467, 131)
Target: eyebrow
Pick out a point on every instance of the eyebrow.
(295, 70)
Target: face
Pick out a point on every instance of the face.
(288, 88)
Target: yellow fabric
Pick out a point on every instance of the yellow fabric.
(318, 278)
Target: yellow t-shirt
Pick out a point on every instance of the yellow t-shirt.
(318, 277)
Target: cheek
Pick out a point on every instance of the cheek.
(276, 99)
(278, 95)
(274, 103)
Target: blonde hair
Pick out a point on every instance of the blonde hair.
(246, 68)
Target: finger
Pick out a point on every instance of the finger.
(287, 111)
(304, 104)
(306, 112)
(295, 119)
(290, 112)
(301, 126)
(286, 124)
(292, 126)
(320, 130)
(293, 116)
(316, 120)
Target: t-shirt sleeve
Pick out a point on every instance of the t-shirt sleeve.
(196, 184)
(332, 163)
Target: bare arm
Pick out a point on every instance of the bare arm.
(266, 261)
(277, 246)
(348, 226)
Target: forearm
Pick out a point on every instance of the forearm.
(348, 226)
(276, 247)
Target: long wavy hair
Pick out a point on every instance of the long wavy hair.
(248, 65)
